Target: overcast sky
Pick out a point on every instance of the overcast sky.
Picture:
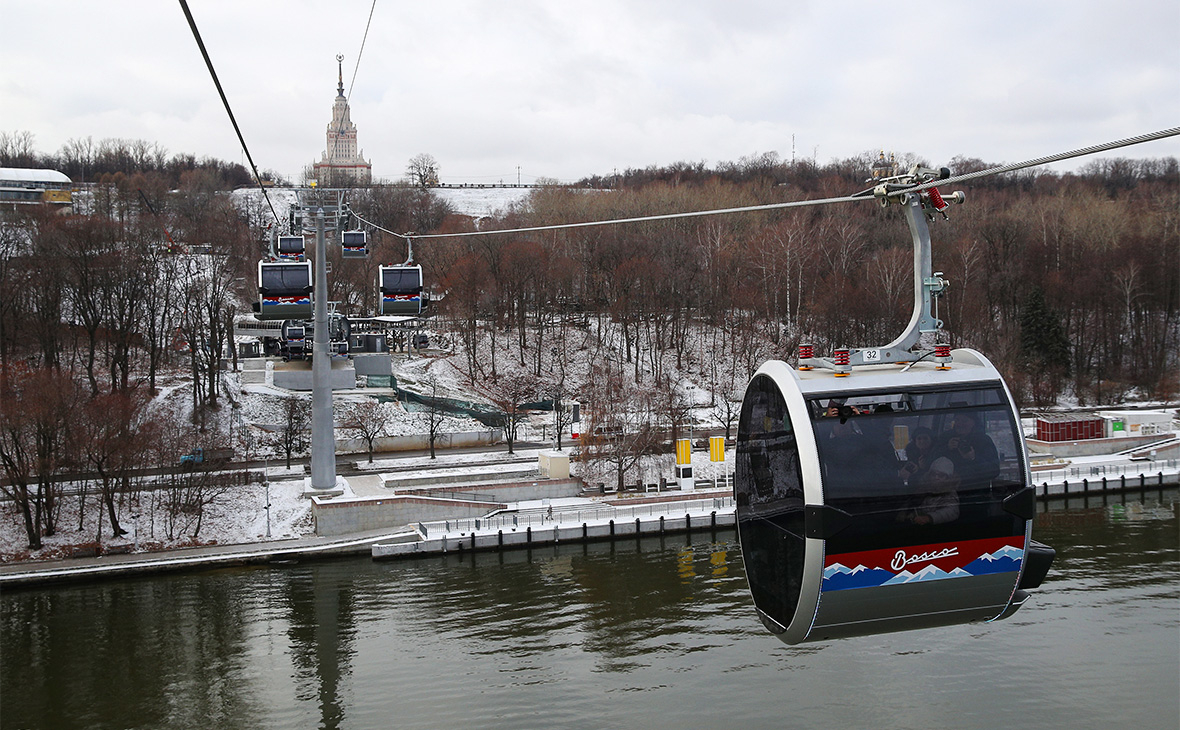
(565, 90)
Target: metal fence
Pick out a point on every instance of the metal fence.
(1097, 471)
(574, 516)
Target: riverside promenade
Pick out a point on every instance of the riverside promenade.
(643, 514)
(536, 523)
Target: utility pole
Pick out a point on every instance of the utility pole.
(323, 438)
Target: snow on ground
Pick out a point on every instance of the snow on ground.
(238, 515)
(481, 202)
(474, 202)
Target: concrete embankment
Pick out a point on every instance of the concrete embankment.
(516, 525)
(1064, 483)
(650, 515)
(32, 574)
(570, 520)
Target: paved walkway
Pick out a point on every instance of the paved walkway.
(58, 571)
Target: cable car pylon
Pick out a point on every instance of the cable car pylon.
(323, 439)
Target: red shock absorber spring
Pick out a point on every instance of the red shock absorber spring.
(806, 352)
(936, 200)
(942, 355)
(840, 357)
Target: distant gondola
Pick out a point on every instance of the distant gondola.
(291, 248)
(354, 244)
(284, 290)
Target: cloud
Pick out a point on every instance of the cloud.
(567, 90)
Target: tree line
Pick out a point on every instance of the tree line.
(1068, 282)
(86, 160)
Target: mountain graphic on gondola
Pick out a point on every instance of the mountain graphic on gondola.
(1004, 560)
(838, 577)
(930, 572)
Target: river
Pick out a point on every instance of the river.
(654, 633)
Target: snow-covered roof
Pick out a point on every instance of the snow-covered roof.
(29, 174)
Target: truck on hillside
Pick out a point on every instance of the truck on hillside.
(200, 456)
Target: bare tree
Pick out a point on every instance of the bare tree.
(622, 425)
(293, 436)
(508, 393)
(368, 418)
(18, 449)
(422, 170)
(434, 413)
(116, 433)
(728, 389)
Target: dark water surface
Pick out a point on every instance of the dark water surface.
(655, 633)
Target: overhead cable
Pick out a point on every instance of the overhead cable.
(616, 221)
(803, 203)
(1162, 134)
(201, 44)
(358, 55)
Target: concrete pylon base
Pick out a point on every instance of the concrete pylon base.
(339, 490)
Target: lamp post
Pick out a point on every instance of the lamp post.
(266, 486)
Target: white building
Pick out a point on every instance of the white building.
(24, 186)
(341, 165)
(1123, 424)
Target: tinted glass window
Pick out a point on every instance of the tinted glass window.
(279, 279)
(400, 281)
(769, 491)
(290, 245)
(919, 468)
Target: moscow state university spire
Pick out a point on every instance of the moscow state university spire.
(341, 165)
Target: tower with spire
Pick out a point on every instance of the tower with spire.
(341, 165)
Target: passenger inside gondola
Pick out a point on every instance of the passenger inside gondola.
(940, 502)
(858, 456)
(919, 454)
(971, 451)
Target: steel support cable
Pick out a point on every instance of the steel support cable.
(614, 221)
(867, 195)
(1162, 134)
(361, 52)
(201, 44)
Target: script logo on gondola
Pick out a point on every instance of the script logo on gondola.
(900, 559)
(940, 561)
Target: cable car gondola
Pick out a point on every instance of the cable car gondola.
(354, 245)
(885, 489)
(291, 248)
(284, 289)
(400, 289)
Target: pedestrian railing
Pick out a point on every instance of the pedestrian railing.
(1097, 471)
(575, 516)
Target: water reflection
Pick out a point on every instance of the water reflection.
(321, 633)
(658, 630)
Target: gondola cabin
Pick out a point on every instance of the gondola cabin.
(284, 289)
(897, 497)
(291, 248)
(400, 289)
(354, 245)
